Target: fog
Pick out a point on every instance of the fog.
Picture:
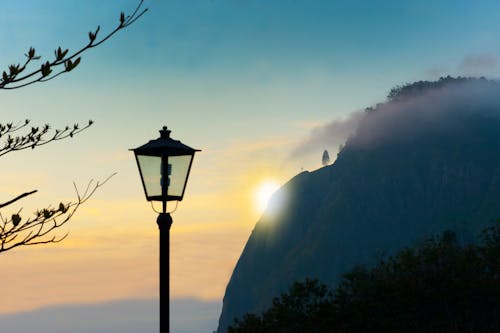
(432, 108)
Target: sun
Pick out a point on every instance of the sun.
(263, 193)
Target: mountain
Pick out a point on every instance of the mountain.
(425, 161)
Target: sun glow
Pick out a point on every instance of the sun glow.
(263, 194)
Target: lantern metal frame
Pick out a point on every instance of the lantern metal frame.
(164, 148)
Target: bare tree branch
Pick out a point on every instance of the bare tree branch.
(15, 231)
(17, 198)
(37, 229)
(13, 77)
(37, 136)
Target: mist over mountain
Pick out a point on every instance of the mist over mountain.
(425, 161)
(410, 109)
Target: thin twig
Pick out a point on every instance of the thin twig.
(34, 230)
(9, 81)
(17, 198)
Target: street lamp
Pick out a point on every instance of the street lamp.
(164, 165)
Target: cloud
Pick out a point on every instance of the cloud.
(478, 62)
(329, 136)
(127, 316)
(436, 72)
(439, 106)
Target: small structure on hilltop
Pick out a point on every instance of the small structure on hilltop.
(326, 158)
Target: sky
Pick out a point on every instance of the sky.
(247, 82)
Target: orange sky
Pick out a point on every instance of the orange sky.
(112, 249)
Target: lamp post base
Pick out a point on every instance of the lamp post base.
(164, 222)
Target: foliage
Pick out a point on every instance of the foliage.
(296, 311)
(419, 87)
(438, 286)
(15, 229)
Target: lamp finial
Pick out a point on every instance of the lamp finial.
(165, 133)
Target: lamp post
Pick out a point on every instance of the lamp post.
(164, 165)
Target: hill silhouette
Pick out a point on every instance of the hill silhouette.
(437, 286)
(419, 164)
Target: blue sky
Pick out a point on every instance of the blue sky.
(317, 55)
(245, 81)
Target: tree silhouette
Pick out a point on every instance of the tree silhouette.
(17, 230)
(325, 159)
(438, 286)
(296, 311)
(420, 87)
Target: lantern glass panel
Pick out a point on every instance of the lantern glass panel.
(150, 168)
(178, 169)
